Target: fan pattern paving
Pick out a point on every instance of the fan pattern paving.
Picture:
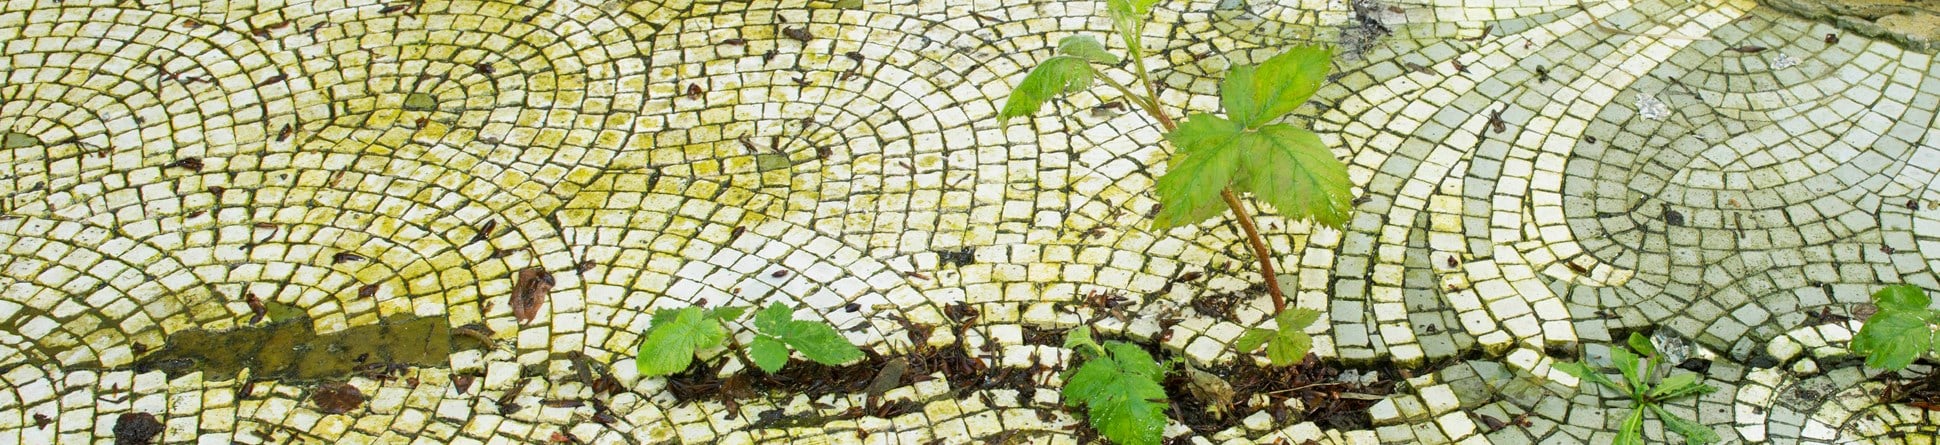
(1535, 176)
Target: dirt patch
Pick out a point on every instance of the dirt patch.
(965, 374)
(1325, 398)
(1921, 392)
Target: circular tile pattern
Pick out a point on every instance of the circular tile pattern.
(1536, 178)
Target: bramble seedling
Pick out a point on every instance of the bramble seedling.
(677, 335)
(1901, 331)
(1216, 157)
(776, 331)
(1119, 386)
(1288, 343)
(1640, 382)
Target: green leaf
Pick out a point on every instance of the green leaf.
(815, 339)
(1290, 169)
(675, 336)
(1204, 166)
(1255, 95)
(1056, 75)
(820, 342)
(1642, 345)
(1626, 364)
(727, 313)
(1672, 383)
(1128, 18)
(1901, 297)
(1632, 431)
(1584, 372)
(1694, 433)
(1296, 319)
(1086, 47)
(768, 354)
(1129, 9)
(1079, 341)
(1891, 339)
(1252, 339)
(1288, 348)
(1122, 394)
(1285, 167)
(1680, 386)
(1134, 360)
(773, 319)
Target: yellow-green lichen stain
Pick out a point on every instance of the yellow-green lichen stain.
(13, 139)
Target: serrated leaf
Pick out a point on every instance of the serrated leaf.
(1632, 430)
(1288, 348)
(1128, 18)
(1086, 47)
(1079, 341)
(1694, 433)
(1056, 75)
(1129, 9)
(1121, 393)
(1890, 340)
(1290, 169)
(1204, 166)
(820, 342)
(1256, 95)
(772, 320)
(816, 340)
(768, 354)
(1672, 383)
(1135, 360)
(1252, 339)
(1296, 319)
(1642, 345)
(727, 313)
(1627, 365)
(675, 336)
(1680, 386)
(1584, 372)
(1901, 297)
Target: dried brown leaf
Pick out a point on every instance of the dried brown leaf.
(529, 292)
(337, 398)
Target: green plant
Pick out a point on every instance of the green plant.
(1902, 329)
(1118, 384)
(677, 335)
(1216, 157)
(776, 331)
(1641, 383)
(1287, 344)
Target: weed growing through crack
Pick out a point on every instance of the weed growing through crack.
(1647, 392)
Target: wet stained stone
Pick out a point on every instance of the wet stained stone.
(136, 428)
(292, 349)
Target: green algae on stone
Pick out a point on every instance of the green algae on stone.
(420, 102)
(292, 350)
(13, 139)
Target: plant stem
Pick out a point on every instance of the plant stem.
(1260, 251)
(1136, 99)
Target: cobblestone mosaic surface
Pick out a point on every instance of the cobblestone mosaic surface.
(1537, 177)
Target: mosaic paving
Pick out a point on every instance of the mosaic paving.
(1537, 178)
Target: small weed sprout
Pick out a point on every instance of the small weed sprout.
(1647, 392)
